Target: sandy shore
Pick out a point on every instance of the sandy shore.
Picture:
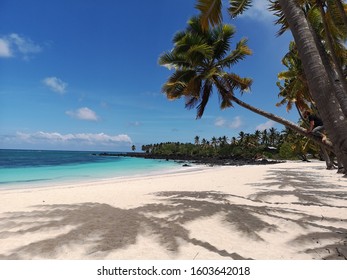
(292, 210)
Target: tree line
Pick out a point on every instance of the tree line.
(271, 144)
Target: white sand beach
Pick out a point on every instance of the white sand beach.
(291, 211)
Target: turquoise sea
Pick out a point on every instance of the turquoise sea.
(34, 168)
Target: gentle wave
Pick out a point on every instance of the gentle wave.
(23, 168)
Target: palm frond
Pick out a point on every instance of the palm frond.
(191, 102)
(194, 86)
(189, 40)
(315, 19)
(194, 26)
(238, 54)
(243, 84)
(182, 76)
(221, 40)
(225, 93)
(285, 75)
(206, 93)
(336, 24)
(337, 16)
(276, 8)
(232, 82)
(179, 36)
(177, 83)
(174, 90)
(211, 12)
(237, 7)
(203, 50)
(172, 60)
(224, 96)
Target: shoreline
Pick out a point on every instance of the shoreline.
(67, 183)
(183, 164)
(291, 211)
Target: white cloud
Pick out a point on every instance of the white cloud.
(24, 45)
(83, 114)
(266, 125)
(259, 11)
(80, 138)
(233, 124)
(16, 44)
(136, 123)
(5, 50)
(220, 122)
(55, 84)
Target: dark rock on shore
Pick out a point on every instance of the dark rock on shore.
(233, 160)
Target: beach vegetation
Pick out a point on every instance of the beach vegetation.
(202, 60)
(257, 145)
(319, 29)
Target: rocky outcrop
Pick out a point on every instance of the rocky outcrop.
(233, 160)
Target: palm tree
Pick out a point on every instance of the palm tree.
(199, 58)
(326, 92)
(197, 140)
(329, 34)
(214, 142)
(295, 91)
(224, 140)
(241, 137)
(318, 79)
(264, 137)
(233, 140)
(272, 136)
(294, 88)
(257, 135)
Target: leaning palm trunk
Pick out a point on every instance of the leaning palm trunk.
(318, 79)
(325, 147)
(282, 121)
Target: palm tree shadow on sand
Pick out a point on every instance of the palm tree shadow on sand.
(309, 190)
(103, 229)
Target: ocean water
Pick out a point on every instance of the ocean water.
(33, 168)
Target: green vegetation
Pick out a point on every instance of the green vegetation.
(269, 144)
(315, 78)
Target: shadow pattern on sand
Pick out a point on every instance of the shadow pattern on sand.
(309, 190)
(101, 228)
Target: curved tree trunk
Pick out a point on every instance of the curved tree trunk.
(282, 121)
(318, 80)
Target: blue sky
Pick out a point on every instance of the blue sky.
(83, 75)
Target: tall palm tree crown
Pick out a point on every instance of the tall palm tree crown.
(200, 58)
(294, 89)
